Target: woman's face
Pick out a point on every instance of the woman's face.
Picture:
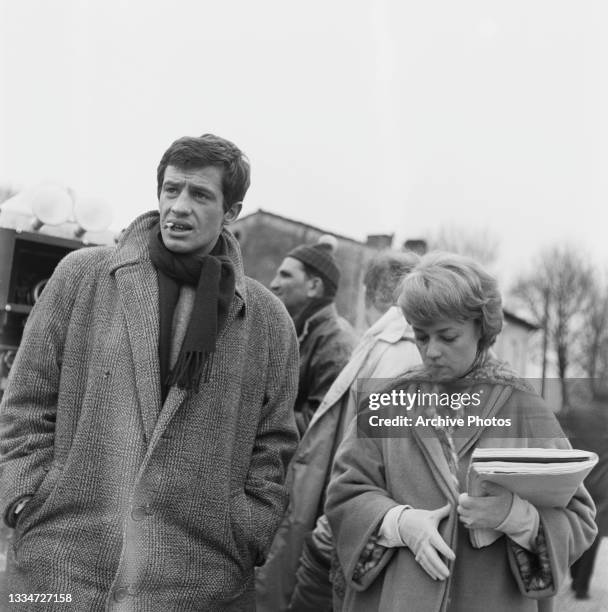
(448, 347)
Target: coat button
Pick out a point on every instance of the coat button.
(121, 594)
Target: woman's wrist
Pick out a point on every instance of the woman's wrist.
(390, 535)
(521, 523)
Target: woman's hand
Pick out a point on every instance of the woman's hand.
(418, 530)
(485, 512)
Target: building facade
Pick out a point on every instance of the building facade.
(265, 238)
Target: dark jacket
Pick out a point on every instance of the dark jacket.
(587, 429)
(139, 505)
(326, 344)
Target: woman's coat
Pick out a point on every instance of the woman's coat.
(372, 475)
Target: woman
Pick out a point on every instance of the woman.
(396, 501)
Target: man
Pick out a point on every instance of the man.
(386, 350)
(147, 423)
(587, 429)
(306, 282)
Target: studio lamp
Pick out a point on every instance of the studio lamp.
(51, 204)
(92, 215)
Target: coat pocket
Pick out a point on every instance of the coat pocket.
(33, 510)
(241, 524)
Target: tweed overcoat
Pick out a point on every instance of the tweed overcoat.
(373, 474)
(138, 505)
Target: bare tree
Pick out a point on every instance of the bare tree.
(593, 340)
(557, 294)
(481, 245)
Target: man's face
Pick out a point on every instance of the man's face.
(293, 286)
(192, 212)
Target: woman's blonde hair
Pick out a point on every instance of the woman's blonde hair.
(450, 286)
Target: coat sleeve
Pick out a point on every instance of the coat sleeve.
(276, 439)
(29, 405)
(357, 500)
(566, 532)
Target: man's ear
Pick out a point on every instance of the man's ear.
(316, 288)
(232, 213)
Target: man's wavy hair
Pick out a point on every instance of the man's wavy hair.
(209, 150)
(450, 286)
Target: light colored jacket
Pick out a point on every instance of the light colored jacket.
(139, 505)
(386, 350)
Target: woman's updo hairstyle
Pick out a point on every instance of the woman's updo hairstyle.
(450, 286)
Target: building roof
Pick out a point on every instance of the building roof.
(314, 228)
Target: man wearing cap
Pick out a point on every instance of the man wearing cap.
(147, 423)
(306, 282)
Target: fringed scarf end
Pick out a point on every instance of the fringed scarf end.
(189, 369)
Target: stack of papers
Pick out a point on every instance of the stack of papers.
(545, 477)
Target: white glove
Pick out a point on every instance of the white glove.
(487, 511)
(418, 530)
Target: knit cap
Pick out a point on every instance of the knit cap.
(320, 257)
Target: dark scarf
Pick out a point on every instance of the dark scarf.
(309, 310)
(213, 277)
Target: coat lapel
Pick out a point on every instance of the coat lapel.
(497, 397)
(176, 396)
(431, 449)
(389, 328)
(138, 289)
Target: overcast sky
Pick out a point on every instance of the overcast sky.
(358, 116)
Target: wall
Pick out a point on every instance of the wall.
(512, 345)
(265, 239)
